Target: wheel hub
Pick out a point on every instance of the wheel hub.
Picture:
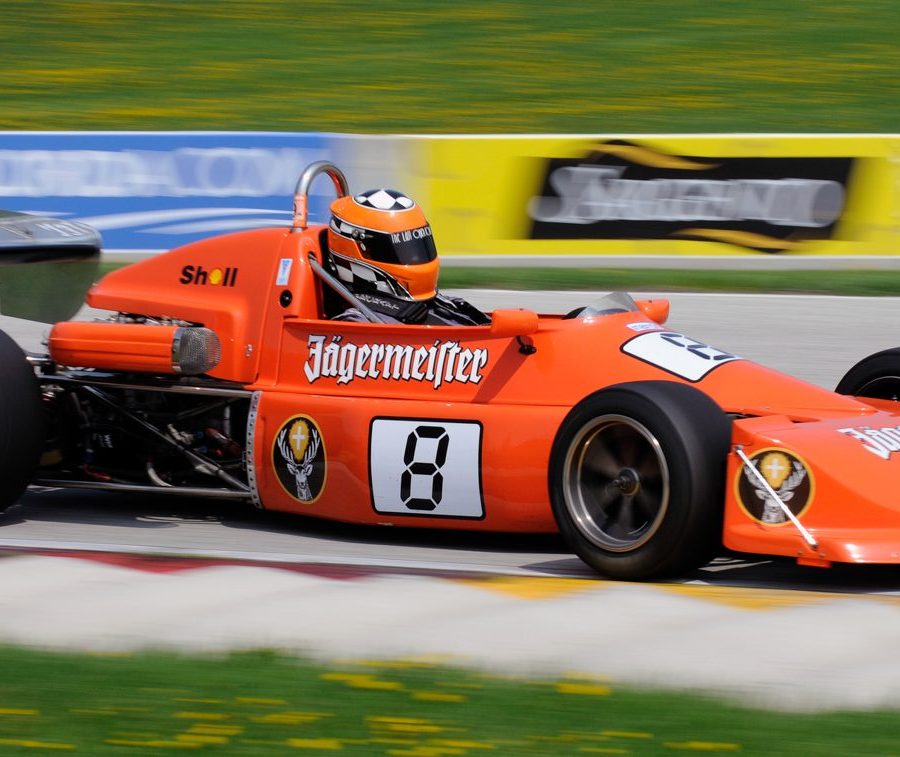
(628, 482)
(617, 482)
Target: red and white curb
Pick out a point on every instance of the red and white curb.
(778, 649)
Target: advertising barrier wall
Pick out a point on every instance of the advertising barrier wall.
(154, 191)
(642, 195)
(666, 195)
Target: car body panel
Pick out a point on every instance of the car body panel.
(853, 505)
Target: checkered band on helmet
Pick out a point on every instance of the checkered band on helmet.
(387, 232)
(361, 277)
(384, 199)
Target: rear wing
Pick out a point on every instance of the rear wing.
(46, 266)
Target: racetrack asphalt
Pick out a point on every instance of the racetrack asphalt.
(358, 597)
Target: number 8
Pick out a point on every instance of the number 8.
(418, 468)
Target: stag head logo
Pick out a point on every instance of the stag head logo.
(789, 478)
(299, 458)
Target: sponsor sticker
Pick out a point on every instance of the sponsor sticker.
(426, 466)
(284, 271)
(881, 442)
(443, 362)
(201, 276)
(298, 457)
(643, 326)
(22, 232)
(64, 228)
(623, 190)
(677, 353)
(381, 302)
(788, 475)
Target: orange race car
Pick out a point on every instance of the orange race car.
(219, 376)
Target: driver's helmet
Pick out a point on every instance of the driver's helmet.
(381, 242)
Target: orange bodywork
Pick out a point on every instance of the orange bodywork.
(115, 346)
(366, 403)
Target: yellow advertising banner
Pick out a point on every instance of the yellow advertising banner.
(723, 195)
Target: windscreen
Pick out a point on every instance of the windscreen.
(610, 304)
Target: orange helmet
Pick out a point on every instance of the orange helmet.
(380, 239)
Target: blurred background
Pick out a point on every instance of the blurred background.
(520, 66)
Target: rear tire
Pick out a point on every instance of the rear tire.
(21, 422)
(876, 376)
(637, 479)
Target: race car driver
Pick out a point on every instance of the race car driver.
(381, 248)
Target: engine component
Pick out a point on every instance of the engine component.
(166, 349)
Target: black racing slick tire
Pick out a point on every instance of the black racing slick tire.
(21, 422)
(637, 479)
(876, 376)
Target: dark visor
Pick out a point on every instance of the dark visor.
(403, 247)
(398, 247)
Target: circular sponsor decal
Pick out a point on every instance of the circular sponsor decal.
(298, 457)
(789, 476)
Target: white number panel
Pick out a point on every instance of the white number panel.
(677, 353)
(426, 467)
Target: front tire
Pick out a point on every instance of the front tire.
(21, 422)
(876, 376)
(637, 477)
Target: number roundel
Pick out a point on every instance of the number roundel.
(426, 467)
(423, 468)
(677, 353)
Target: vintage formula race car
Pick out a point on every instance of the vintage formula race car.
(218, 376)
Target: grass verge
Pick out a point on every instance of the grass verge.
(268, 704)
(467, 66)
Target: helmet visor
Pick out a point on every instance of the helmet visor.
(406, 247)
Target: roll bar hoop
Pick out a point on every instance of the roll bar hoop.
(301, 192)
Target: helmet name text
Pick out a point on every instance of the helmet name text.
(440, 363)
(882, 442)
(407, 236)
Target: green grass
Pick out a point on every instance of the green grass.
(267, 704)
(459, 66)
